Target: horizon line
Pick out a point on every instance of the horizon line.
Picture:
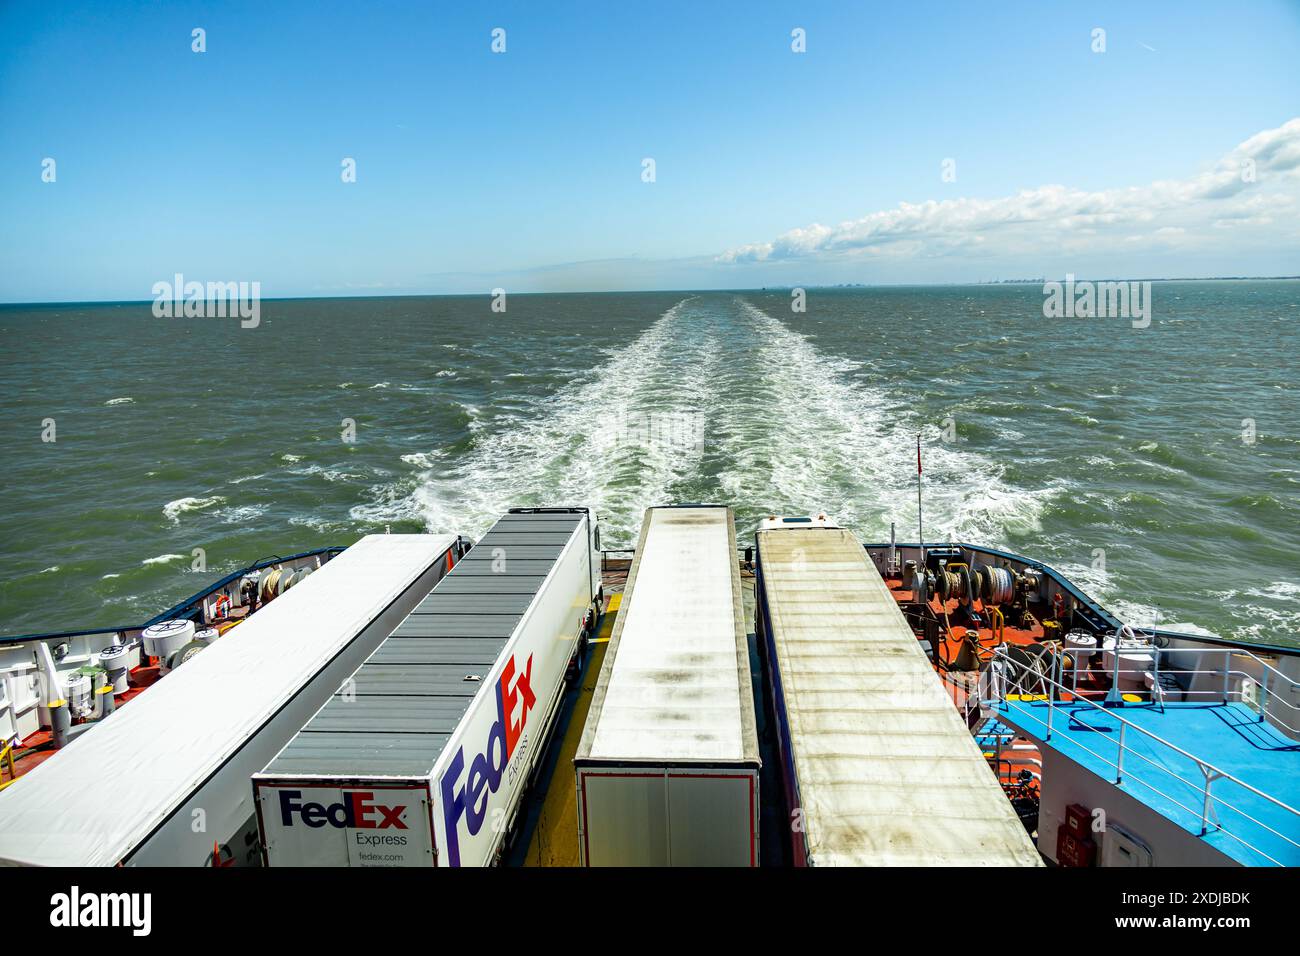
(773, 288)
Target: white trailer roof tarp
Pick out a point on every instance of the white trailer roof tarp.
(888, 774)
(675, 685)
(93, 803)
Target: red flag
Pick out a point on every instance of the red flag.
(918, 454)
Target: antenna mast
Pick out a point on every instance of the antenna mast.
(920, 534)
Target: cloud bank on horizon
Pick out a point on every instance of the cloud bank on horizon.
(1251, 195)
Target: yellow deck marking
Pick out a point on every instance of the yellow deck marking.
(555, 838)
(615, 602)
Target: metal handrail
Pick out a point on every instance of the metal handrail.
(1226, 651)
(175, 609)
(1155, 653)
(1209, 771)
(1176, 802)
(1000, 652)
(1240, 692)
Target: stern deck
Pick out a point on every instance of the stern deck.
(1252, 829)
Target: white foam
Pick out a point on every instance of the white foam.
(421, 459)
(173, 510)
(819, 439)
(1277, 591)
(242, 513)
(310, 521)
(783, 425)
(561, 453)
(1097, 584)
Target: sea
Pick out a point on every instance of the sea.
(1158, 467)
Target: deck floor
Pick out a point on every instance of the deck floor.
(550, 833)
(1229, 736)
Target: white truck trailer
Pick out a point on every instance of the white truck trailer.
(164, 780)
(667, 768)
(878, 767)
(422, 758)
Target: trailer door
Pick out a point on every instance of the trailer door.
(360, 825)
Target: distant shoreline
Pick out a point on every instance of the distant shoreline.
(774, 288)
(1112, 279)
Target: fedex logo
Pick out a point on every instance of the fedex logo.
(469, 798)
(354, 812)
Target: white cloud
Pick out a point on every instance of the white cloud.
(1255, 186)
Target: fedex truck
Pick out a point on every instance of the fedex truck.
(423, 757)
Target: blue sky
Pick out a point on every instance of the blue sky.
(523, 169)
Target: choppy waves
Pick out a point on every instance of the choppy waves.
(1173, 452)
(716, 401)
(567, 451)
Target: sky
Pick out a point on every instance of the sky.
(918, 142)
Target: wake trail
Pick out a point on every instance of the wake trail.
(717, 400)
(583, 446)
(818, 436)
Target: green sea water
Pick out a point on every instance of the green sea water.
(1159, 468)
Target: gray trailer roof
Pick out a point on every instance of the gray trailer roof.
(407, 699)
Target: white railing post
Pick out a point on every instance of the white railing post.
(1205, 806)
(1114, 696)
(997, 756)
(1263, 695)
(1119, 760)
(1226, 672)
(1002, 678)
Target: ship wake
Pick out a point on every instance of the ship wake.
(718, 401)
